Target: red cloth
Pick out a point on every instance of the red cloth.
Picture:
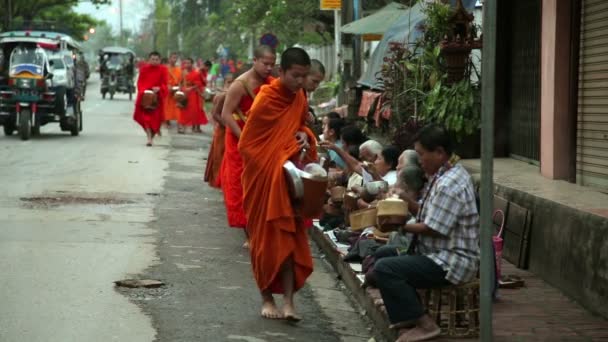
(151, 76)
(268, 140)
(232, 168)
(193, 114)
(367, 100)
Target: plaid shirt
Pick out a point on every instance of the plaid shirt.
(451, 211)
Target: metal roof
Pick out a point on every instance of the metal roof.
(117, 49)
(378, 22)
(38, 36)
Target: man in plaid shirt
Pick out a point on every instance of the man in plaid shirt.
(446, 243)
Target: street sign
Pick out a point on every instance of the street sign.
(330, 5)
(270, 40)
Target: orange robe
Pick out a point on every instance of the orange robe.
(151, 76)
(266, 143)
(216, 151)
(171, 110)
(193, 114)
(232, 169)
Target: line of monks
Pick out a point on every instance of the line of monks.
(261, 121)
(170, 92)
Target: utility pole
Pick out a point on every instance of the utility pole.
(120, 21)
(488, 95)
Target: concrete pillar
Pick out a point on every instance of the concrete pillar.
(556, 96)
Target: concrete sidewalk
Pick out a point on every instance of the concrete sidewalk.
(535, 312)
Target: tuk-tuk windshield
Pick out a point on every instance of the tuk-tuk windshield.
(26, 55)
(115, 61)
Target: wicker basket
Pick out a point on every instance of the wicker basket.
(363, 218)
(337, 194)
(392, 214)
(350, 201)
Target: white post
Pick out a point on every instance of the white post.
(251, 46)
(337, 40)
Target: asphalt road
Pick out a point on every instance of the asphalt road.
(78, 213)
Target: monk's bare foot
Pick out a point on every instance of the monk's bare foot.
(246, 245)
(270, 310)
(374, 293)
(289, 313)
(424, 330)
(405, 325)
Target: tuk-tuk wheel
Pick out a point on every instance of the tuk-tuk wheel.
(9, 129)
(25, 120)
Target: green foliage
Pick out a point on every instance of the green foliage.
(415, 83)
(48, 14)
(456, 106)
(437, 22)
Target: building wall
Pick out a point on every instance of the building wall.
(592, 122)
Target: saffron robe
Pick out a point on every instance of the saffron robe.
(171, 109)
(232, 167)
(151, 76)
(267, 142)
(193, 114)
(216, 151)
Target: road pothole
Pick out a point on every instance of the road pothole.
(62, 199)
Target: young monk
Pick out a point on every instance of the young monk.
(152, 76)
(239, 98)
(276, 131)
(314, 79)
(216, 151)
(192, 114)
(175, 76)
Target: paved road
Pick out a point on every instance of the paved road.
(77, 213)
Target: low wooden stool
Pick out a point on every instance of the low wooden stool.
(454, 308)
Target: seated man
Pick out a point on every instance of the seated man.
(446, 244)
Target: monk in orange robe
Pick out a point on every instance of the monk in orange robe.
(239, 98)
(275, 132)
(152, 76)
(216, 151)
(192, 114)
(175, 76)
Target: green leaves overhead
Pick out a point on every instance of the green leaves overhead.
(47, 14)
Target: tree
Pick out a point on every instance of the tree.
(45, 13)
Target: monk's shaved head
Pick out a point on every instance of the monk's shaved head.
(317, 67)
(262, 50)
(316, 75)
(294, 56)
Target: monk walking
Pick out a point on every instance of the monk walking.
(216, 151)
(152, 76)
(191, 112)
(276, 131)
(175, 76)
(239, 99)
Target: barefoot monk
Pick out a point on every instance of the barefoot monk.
(276, 132)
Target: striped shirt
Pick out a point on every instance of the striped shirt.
(451, 211)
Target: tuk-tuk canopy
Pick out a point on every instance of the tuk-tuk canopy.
(116, 50)
(46, 39)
